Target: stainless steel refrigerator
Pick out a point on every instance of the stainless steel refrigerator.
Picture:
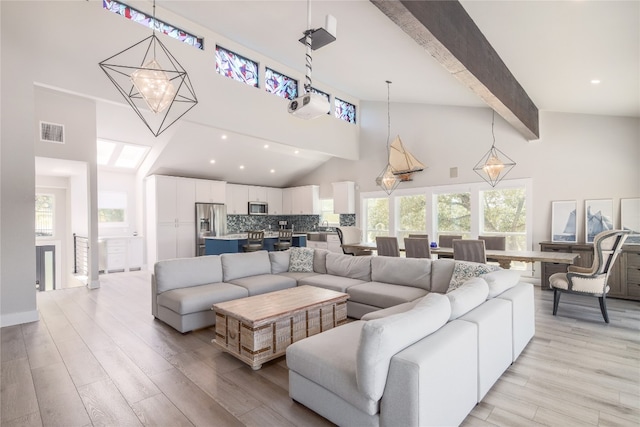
(211, 220)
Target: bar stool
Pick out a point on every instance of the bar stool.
(255, 241)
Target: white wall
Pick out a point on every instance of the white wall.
(578, 157)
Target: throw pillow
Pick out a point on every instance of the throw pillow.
(301, 260)
(464, 270)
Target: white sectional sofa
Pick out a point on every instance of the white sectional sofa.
(432, 337)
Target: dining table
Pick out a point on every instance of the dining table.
(504, 258)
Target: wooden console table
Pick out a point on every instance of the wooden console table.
(624, 279)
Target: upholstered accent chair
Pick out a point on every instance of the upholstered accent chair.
(351, 235)
(285, 239)
(469, 250)
(417, 247)
(387, 246)
(494, 243)
(592, 280)
(419, 236)
(255, 241)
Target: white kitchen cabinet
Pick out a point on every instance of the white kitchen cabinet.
(120, 253)
(170, 211)
(344, 197)
(333, 243)
(287, 201)
(237, 199)
(274, 200)
(257, 194)
(316, 245)
(209, 191)
(306, 200)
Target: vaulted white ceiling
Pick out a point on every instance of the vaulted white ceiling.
(553, 48)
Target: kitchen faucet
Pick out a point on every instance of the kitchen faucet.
(325, 224)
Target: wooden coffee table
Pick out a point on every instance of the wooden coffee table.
(259, 328)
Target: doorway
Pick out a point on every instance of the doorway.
(46, 267)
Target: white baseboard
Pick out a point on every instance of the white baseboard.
(19, 318)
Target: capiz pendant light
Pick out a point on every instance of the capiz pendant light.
(157, 82)
(386, 179)
(494, 165)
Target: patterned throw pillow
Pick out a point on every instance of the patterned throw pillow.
(464, 271)
(301, 260)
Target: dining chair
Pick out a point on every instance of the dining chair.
(418, 236)
(494, 242)
(387, 246)
(351, 235)
(285, 240)
(446, 241)
(255, 241)
(591, 281)
(498, 243)
(469, 250)
(417, 247)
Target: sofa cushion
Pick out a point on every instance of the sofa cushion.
(279, 261)
(187, 272)
(200, 298)
(235, 266)
(384, 295)
(328, 281)
(465, 270)
(402, 271)
(501, 280)
(400, 308)
(297, 276)
(467, 296)
(320, 260)
(263, 283)
(382, 338)
(354, 267)
(301, 260)
(329, 360)
(441, 272)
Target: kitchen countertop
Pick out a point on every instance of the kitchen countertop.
(241, 236)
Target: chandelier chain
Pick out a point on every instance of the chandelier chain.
(388, 114)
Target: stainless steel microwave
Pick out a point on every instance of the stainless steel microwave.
(258, 208)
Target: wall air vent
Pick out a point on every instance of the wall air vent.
(52, 132)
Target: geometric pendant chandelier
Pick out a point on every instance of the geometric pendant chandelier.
(152, 81)
(494, 165)
(387, 180)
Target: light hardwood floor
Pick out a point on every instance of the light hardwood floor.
(99, 358)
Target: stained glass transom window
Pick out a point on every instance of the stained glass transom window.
(319, 92)
(345, 111)
(280, 84)
(148, 21)
(236, 67)
(325, 94)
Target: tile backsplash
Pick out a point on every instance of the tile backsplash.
(243, 223)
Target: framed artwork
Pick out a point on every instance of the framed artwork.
(630, 219)
(563, 221)
(598, 216)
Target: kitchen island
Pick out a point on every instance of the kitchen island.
(232, 243)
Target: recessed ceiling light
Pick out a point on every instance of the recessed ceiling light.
(266, 145)
(296, 152)
(212, 161)
(241, 166)
(272, 171)
(595, 82)
(224, 136)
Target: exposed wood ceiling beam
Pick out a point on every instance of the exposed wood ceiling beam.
(449, 34)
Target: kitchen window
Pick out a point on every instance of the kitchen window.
(327, 217)
(112, 208)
